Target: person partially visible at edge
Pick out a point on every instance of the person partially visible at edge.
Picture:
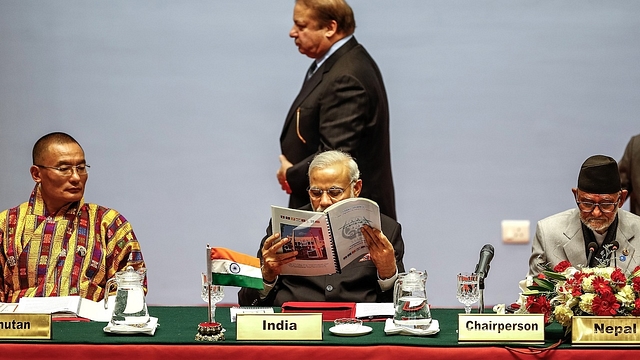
(597, 218)
(333, 176)
(629, 167)
(342, 105)
(56, 244)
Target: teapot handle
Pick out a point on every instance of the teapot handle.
(110, 282)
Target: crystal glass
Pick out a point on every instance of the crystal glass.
(217, 294)
(468, 290)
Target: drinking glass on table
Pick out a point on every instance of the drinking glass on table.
(468, 290)
(217, 294)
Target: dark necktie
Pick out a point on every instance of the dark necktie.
(311, 70)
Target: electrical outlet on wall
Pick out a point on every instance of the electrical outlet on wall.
(515, 231)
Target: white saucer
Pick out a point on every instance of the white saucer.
(341, 331)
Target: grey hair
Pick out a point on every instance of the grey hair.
(332, 157)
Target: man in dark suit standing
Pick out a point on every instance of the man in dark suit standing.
(342, 105)
(630, 173)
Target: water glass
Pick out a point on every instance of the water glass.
(468, 290)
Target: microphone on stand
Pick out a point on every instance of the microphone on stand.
(615, 245)
(592, 248)
(482, 270)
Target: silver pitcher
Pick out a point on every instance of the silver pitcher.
(130, 307)
(410, 300)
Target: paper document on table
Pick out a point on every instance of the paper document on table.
(374, 310)
(67, 306)
(234, 311)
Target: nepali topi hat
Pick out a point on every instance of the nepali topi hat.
(599, 175)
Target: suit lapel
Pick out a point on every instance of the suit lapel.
(315, 80)
(574, 248)
(625, 236)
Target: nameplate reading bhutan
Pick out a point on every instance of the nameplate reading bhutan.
(519, 328)
(605, 330)
(25, 326)
(279, 326)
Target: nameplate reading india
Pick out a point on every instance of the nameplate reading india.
(513, 328)
(605, 330)
(25, 326)
(279, 326)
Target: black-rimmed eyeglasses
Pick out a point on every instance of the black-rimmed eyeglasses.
(605, 207)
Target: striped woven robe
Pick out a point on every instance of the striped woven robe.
(72, 252)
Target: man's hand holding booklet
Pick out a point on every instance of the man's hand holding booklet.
(326, 241)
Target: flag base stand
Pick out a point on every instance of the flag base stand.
(210, 331)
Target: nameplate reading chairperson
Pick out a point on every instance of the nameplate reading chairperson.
(279, 326)
(522, 328)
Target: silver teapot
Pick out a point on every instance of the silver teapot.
(410, 300)
(130, 307)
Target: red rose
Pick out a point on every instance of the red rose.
(562, 266)
(636, 310)
(618, 278)
(636, 269)
(574, 285)
(541, 276)
(538, 304)
(636, 284)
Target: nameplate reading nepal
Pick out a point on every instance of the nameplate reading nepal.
(619, 330)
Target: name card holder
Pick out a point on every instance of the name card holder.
(279, 326)
(605, 330)
(501, 328)
(25, 326)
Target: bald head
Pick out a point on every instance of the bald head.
(41, 146)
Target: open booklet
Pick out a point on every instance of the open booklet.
(326, 241)
(63, 307)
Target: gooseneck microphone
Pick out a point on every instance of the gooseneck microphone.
(482, 270)
(592, 248)
(615, 245)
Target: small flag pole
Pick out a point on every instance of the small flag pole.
(209, 271)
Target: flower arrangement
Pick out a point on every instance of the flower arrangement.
(564, 291)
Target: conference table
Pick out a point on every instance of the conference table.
(175, 339)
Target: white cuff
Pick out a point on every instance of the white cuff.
(387, 284)
(267, 288)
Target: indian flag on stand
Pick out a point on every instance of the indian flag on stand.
(235, 269)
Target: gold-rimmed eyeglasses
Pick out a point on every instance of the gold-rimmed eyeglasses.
(67, 170)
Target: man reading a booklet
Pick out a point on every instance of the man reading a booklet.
(333, 177)
(56, 244)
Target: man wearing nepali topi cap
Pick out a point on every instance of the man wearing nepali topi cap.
(596, 219)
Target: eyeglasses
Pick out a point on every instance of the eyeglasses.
(606, 207)
(334, 192)
(66, 170)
